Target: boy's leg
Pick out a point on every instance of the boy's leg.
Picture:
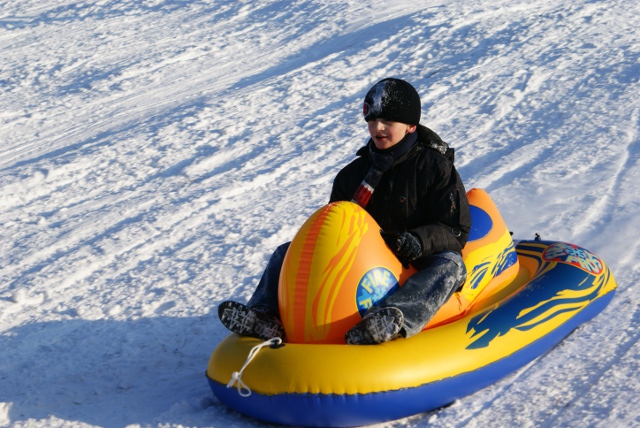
(411, 306)
(266, 292)
(427, 290)
(260, 317)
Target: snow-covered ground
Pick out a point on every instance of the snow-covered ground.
(153, 153)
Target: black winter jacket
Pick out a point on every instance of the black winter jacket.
(422, 193)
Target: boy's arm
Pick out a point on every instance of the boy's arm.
(450, 230)
(337, 194)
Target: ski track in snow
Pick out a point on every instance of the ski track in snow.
(153, 154)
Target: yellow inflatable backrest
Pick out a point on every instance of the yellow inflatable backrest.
(489, 255)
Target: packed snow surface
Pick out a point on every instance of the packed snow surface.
(153, 153)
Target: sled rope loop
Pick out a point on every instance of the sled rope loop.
(243, 389)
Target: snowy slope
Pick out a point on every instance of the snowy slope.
(154, 152)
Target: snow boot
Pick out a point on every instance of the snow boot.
(378, 326)
(259, 322)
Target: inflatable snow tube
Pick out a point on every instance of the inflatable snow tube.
(518, 302)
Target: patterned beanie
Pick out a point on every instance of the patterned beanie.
(392, 99)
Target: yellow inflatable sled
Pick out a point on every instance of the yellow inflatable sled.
(517, 303)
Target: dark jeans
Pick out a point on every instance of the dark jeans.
(427, 290)
(418, 299)
(266, 293)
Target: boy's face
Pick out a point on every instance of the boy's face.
(386, 133)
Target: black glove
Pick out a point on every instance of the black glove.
(405, 245)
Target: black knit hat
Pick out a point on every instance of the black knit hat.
(392, 99)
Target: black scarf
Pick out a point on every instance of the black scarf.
(382, 161)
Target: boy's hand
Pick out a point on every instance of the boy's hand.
(405, 245)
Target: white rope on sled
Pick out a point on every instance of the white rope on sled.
(243, 389)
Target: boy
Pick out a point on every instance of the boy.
(404, 177)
